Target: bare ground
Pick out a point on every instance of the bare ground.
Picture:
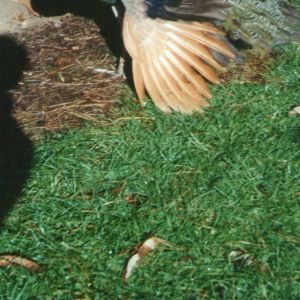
(63, 85)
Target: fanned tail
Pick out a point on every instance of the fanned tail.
(173, 61)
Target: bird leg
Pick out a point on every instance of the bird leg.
(119, 71)
(119, 14)
(27, 4)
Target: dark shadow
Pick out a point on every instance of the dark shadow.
(16, 151)
(95, 10)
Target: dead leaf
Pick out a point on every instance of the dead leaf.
(64, 61)
(20, 18)
(130, 199)
(142, 250)
(295, 111)
(117, 190)
(240, 257)
(7, 260)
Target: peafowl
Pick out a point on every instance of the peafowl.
(177, 46)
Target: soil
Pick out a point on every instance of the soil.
(70, 78)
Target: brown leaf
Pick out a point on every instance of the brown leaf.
(130, 199)
(20, 18)
(142, 250)
(64, 61)
(7, 260)
(295, 111)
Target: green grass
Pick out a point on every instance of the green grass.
(209, 184)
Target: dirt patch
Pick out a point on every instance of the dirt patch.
(65, 84)
(251, 71)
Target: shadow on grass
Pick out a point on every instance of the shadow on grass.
(16, 151)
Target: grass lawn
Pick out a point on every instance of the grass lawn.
(221, 187)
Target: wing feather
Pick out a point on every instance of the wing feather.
(174, 61)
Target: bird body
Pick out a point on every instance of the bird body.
(176, 45)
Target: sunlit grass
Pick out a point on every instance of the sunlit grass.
(211, 184)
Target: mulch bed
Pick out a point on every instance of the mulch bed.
(66, 83)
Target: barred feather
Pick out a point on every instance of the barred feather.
(262, 23)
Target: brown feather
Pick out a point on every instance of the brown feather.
(179, 78)
(171, 61)
(160, 81)
(190, 74)
(152, 89)
(204, 38)
(186, 103)
(193, 60)
(138, 80)
(200, 50)
(197, 26)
